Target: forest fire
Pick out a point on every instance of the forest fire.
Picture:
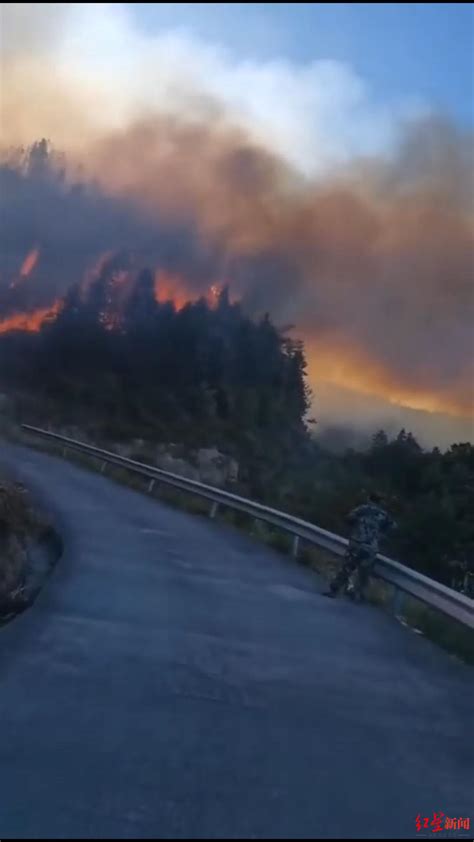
(31, 322)
(332, 259)
(168, 287)
(112, 280)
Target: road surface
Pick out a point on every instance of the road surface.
(176, 679)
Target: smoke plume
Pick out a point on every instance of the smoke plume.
(366, 248)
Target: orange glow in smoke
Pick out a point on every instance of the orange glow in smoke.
(331, 360)
(171, 288)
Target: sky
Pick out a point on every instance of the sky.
(413, 49)
(379, 95)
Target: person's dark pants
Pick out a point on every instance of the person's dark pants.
(358, 560)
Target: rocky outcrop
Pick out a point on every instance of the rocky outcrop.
(206, 465)
(216, 468)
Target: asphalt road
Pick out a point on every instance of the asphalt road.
(176, 679)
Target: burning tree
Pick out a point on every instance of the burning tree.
(112, 345)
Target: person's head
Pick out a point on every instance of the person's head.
(375, 497)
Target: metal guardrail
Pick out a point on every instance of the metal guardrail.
(403, 579)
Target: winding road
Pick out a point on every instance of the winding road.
(174, 678)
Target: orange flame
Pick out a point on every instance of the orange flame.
(29, 263)
(30, 322)
(173, 288)
(167, 287)
(170, 288)
(27, 266)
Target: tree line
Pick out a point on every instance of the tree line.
(205, 375)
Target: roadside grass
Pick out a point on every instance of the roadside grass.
(450, 635)
(419, 618)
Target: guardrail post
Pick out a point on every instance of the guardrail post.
(151, 485)
(103, 467)
(295, 546)
(398, 600)
(213, 509)
(64, 452)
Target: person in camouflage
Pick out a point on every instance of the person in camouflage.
(368, 523)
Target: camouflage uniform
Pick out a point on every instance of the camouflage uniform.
(368, 521)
